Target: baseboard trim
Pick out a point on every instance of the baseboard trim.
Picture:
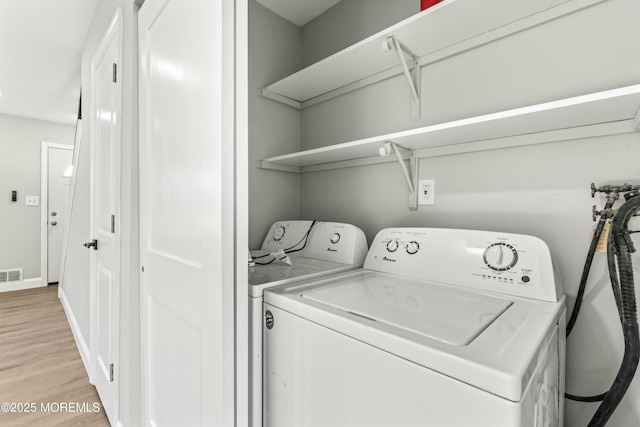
(83, 348)
(21, 285)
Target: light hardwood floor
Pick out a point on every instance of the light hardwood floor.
(42, 377)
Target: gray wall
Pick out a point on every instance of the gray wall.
(541, 190)
(350, 21)
(76, 284)
(20, 144)
(274, 53)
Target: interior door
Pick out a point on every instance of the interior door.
(58, 159)
(105, 207)
(185, 345)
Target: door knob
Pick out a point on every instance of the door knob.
(54, 223)
(93, 244)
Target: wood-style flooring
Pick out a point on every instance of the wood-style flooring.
(43, 382)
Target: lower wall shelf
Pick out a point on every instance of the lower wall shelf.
(603, 113)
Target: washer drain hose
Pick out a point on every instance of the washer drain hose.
(627, 308)
(587, 267)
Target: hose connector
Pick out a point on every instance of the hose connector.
(604, 213)
(607, 189)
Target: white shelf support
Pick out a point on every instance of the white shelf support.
(264, 164)
(266, 93)
(636, 121)
(414, 164)
(410, 69)
(410, 175)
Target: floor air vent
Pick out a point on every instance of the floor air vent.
(11, 275)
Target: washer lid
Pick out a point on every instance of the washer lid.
(262, 277)
(445, 314)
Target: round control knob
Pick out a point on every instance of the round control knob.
(392, 246)
(500, 256)
(412, 247)
(335, 238)
(278, 233)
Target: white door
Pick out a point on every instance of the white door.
(59, 160)
(186, 337)
(105, 215)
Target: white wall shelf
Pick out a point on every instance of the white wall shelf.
(446, 29)
(609, 112)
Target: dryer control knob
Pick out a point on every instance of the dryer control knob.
(335, 238)
(500, 256)
(392, 246)
(412, 247)
(278, 233)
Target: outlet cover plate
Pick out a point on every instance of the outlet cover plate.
(426, 192)
(32, 200)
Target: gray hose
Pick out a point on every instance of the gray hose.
(628, 311)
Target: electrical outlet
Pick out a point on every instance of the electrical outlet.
(426, 192)
(32, 200)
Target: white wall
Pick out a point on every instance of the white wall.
(540, 190)
(20, 145)
(76, 284)
(74, 288)
(274, 52)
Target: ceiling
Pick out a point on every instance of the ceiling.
(298, 11)
(40, 49)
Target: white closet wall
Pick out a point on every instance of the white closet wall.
(274, 52)
(541, 190)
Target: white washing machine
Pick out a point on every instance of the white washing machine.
(314, 249)
(440, 328)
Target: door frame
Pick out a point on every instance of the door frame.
(72, 190)
(44, 210)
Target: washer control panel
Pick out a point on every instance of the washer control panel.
(515, 264)
(285, 234)
(321, 240)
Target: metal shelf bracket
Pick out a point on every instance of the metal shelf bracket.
(410, 69)
(410, 175)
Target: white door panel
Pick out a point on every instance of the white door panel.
(59, 159)
(181, 213)
(171, 334)
(105, 212)
(103, 310)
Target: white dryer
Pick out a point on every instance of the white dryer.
(314, 249)
(441, 327)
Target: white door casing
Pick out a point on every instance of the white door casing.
(54, 201)
(187, 293)
(105, 148)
